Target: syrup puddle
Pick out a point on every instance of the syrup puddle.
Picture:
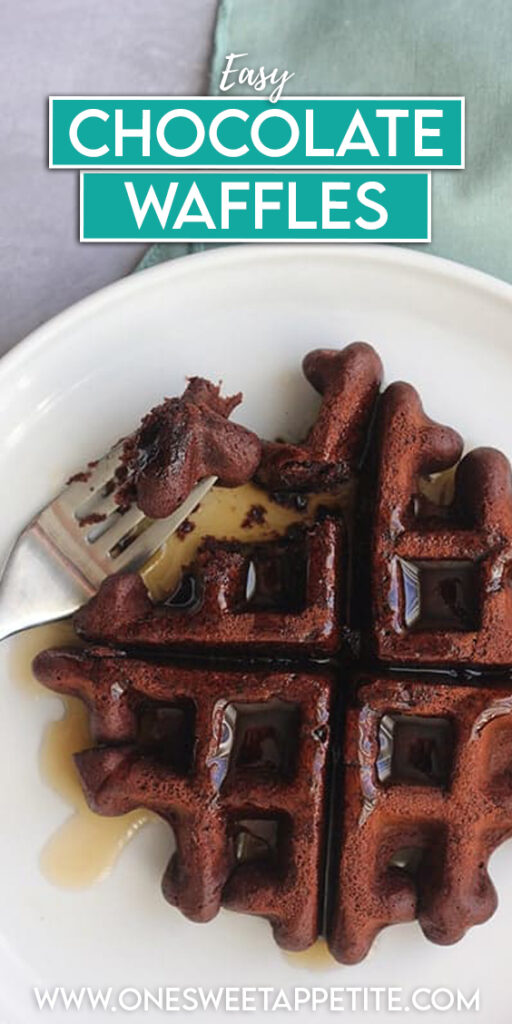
(86, 846)
(439, 488)
(316, 958)
(223, 514)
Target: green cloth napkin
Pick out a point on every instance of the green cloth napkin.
(400, 47)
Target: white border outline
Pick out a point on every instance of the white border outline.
(249, 241)
(296, 167)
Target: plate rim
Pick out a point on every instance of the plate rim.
(439, 267)
(428, 271)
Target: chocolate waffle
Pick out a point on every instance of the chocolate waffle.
(280, 596)
(348, 381)
(234, 761)
(426, 798)
(440, 575)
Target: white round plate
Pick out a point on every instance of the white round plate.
(246, 315)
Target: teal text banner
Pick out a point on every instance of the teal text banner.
(255, 206)
(213, 132)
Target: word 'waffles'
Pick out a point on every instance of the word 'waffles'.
(324, 718)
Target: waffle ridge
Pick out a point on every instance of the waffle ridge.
(441, 593)
(204, 802)
(445, 830)
(299, 615)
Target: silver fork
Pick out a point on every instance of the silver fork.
(61, 557)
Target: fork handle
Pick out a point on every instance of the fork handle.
(34, 589)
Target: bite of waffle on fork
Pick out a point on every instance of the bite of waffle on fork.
(323, 718)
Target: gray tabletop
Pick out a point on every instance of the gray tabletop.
(75, 47)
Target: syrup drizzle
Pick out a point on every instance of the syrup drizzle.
(316, 958)
(227, 513)
(86, 846)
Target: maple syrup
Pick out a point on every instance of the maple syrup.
(316, 958)
(86, 846)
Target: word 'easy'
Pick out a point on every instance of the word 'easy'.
(255, 79)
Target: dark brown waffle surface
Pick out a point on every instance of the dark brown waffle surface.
(425, 799)
(348, 382)
(234, 761)
(324, 717)
(441, 578)
(280, 596)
